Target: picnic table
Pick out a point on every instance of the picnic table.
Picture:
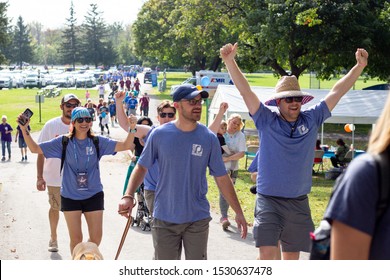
(50, 91)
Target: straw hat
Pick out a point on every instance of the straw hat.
(288, 86)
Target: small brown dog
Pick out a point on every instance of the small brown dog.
(86, 251)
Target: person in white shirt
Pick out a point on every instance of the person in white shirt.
(48, 170)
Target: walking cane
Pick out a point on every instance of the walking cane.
(128, 224)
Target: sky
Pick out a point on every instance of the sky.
(53, 13)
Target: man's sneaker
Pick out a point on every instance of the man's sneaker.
(3, 159)
(225, 223)
(53, 246)
(25, 158)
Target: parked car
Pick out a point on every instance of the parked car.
(62, 80)
(34, 80)
(85, 80)
(17, 79)
(148, 76)
(6, 81)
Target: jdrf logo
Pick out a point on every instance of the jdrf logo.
(89, 151)
(303, 129)
(197, 150)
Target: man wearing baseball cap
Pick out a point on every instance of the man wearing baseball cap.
(183, 149)
(282, 213)
(48, 170)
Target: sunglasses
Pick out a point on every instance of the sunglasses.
(294, 98)
(194, 102)
(81, 120)
(164, 115)
(70, 105)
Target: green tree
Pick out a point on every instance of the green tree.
(96, 48)
(115, 31)
(52, 46)
(21, 43)
(4, 34)
(298, 35)
(125, 48)
(181, 32)
(36, 31)
(70, 44)
(150, 41)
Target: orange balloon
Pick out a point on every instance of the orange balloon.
(199, 87)
(347, 128)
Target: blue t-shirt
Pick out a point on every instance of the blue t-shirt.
(80, 157)
(131, 103)
(354, 203)
(253, 167)
(151, 177)
(112, 108)
(183, 158)
(286, 162)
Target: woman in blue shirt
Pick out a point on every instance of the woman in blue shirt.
(81, 189)
(356, 231)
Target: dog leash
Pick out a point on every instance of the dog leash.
(128, 224)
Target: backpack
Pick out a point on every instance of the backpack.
(65, 141)
(321, 237)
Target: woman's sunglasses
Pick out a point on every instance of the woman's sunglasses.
(295, 98)
(81, 120)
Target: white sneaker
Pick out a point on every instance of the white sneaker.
(53, 246)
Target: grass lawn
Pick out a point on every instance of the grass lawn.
(13, 102)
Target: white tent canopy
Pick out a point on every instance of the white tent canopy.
(356, 107)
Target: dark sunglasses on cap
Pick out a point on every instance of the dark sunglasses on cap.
(81, 120)
(70, 105)
(295, 98)
(164, 115)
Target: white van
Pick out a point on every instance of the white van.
(215, 78)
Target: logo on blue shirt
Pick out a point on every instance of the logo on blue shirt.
(197, 150)
(302, 129)
(89, 151)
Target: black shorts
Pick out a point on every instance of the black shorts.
(93, 203)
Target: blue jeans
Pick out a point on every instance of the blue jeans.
(3, 144)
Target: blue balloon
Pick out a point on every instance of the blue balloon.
(205, 81)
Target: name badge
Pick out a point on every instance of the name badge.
(82, 181)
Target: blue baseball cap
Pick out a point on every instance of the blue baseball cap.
(80, 112)
(188, 91)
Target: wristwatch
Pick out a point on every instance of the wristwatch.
(132, 130)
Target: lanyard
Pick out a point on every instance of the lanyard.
(88, 154)
(293, 127)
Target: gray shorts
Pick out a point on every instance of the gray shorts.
(285, 219)
(169, 238)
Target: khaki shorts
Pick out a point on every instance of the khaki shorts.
(169, 238)
(149, 197)
(54, 197)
